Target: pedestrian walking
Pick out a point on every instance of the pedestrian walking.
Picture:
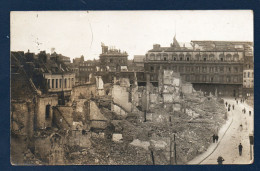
(226, 104)
(228, 109)
(237, 101)
(240, 147)
(244, 110)
(229, 105)
(220, 160)
(233, 106)
(250, 113)
(241, 101)
(241, 127)
(216, 138)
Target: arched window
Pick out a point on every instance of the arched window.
(158, 56)
(181, 56)
(205, 57)
(188, 57)
(228, 57)
(152, 56)
(211, 57)
(47, 111)
(236, 57)
(174, 57)
(221, 57)
(197, 57)
(165, 56)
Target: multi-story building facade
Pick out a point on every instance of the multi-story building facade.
(112, 59)
(87, 70)
(211, 66)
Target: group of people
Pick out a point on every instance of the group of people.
(220, 159)
(229, 106)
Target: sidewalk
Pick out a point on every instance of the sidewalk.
(200, 158)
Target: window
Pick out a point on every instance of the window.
(244, 74)
(65, 83)
(187, 78)
(111, 60)
(188, 56)
(235, 69)
(187, 69)
(56, 83)
(52, 81)
(229, 69)
(158, 56)
(228, 79)
(221, 57)
(211, 79)
(49, 84)
(72, 81)
(248, 74)
(216, 69)
(228, 57)
(60, 82)
(69, 82)
(204, 78)
(205, 56)
(197, 56)
(221, 69)
(235, 79)
(204, 69)
(181, 68)
(236, 57)
(152, 68)
(47, 111)
(181, 57)
(211, 69)
(211, 57)
(152, 56)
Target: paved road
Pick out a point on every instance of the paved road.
(228, 146)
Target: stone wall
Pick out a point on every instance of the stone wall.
(22, 117)
(187, 88)
(83, 92)
(118, 110)
(63, 116)
(42, 101)
(97, 119)
(120, 96)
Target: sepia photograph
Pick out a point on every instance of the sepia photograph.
(173, 87)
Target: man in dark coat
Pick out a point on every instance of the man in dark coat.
(214, 138)
(240, 147)
(220, 160)
(233, 106)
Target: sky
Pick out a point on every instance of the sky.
(76, 33)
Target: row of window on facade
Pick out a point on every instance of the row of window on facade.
(57, 83)
(86, 64)
(86, 69)
(248, 74)
(188, 57)
(197, 69)
(116, 60)
(248, 83)
(205, 78)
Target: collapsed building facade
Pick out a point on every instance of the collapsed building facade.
(119, 115)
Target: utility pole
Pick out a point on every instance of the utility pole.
(152, 157)
(175, 156)
(170, 150)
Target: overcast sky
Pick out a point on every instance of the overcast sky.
(76, 33)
